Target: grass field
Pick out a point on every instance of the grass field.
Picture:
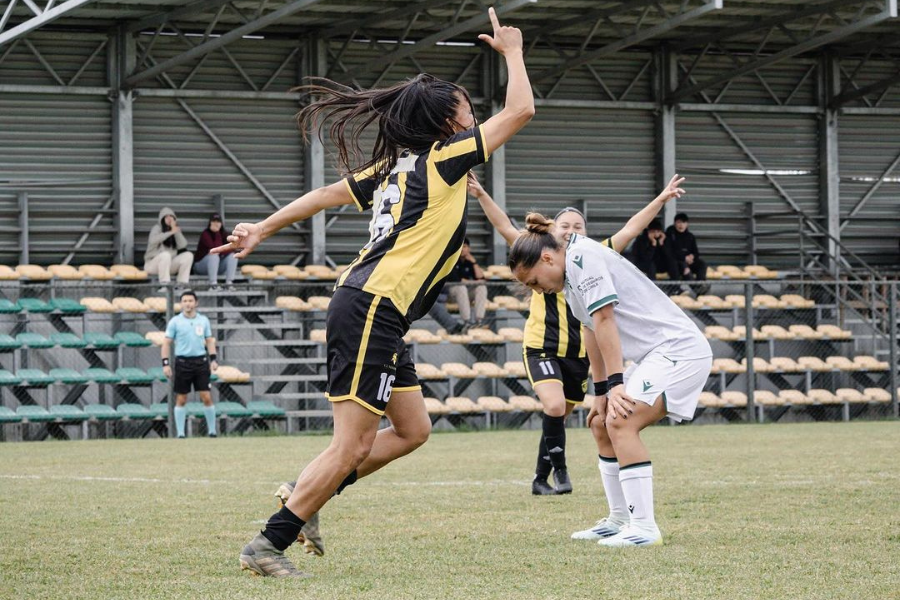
(780, 511)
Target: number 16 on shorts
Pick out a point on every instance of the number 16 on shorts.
(385, 386)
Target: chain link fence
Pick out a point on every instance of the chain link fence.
(82, 358)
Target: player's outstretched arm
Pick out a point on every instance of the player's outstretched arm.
(641, 220)
(519, 107)
(247, 236)
(494, 213)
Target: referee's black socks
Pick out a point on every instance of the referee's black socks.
(282, 528)
(555, 438)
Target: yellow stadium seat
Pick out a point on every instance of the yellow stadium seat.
(455, 338)
(805, 332)
(499, 272)
(870, 363)
(493, 404)
(292, 272)
(793, 397)
(488, 369)
(98, 305)
(158, 304)
(98, 272)
(727, 365)
(422, 336)
(813, 363)
(292, 303)
(823, 396)
(525, 403)
(797, 301)
(834, 332)
(783, 363)
(65, 272)
(741, 332)
(718, 332)
(129, 272)
(34, 272)
(462, 404)
(156, 337)
(436, 407)
(776, 332)
(511, 334)
(842, 363)
(874, 394)
(8, 273)
(710, 400)
(515, 368)
(317, 335)
(849, 395)
(319, 302)
(133, 305)
(759, 365)
(428, 371)
(765, 301)
(767, 398)
(228, 374)
(263, 275)
(458, 370)
(715, 302)
(734, 398)
(321, 271)
(248, 269)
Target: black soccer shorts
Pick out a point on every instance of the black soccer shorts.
(191, 371)
(571, 373)
(367, 357)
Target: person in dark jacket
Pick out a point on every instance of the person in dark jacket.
(684, 248)
(213, 265)
(652, 253)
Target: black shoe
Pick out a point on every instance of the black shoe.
(563, 483)
(540, 487)
(212, 435)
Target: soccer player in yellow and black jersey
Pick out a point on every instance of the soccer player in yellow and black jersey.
(555, 350)
(414, 183)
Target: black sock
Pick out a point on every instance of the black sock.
(555, 438)
(543, 467)
(282, 528)
(348, 480)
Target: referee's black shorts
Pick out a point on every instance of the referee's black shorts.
(191, 371)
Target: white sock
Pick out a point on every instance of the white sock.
(637, 484)
(180, 418)
(210, 413)
(609, 473)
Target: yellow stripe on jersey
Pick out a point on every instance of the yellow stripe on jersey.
(553, 330)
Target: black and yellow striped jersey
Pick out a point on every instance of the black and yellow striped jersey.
(551, 326)
(418, 222)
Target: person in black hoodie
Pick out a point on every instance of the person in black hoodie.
(652, 252)
(684, 248)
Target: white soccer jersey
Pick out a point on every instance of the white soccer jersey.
(645, 317)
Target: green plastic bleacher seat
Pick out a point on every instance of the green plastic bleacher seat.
(213, 377)
(9, 307)
(35, 305)
(134, 376)
(67, 340)
(67, 412)
(134, 411)
(69, 376)
(233, 409)
(67, 306)
(101, 341)
(7, 378)
(264, 408)
(8, 416)
(159, 409)
(8, 343)
(100, 375)
(35, 378)
(194, 409)
(101, 412)
(132, 339)
(34, 340)
(34, 413)
(157, 373)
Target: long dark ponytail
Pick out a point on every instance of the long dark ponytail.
(413, 114)
(538, 235)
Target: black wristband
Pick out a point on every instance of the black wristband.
(213, 357)
(601, 388)
(165, 362)
(614, 380)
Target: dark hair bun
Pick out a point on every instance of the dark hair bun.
(538, 223)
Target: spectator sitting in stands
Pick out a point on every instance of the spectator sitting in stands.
(213, 265)
(465, 271)
(684, 248)
(650, 253)
(439, 313)
(167, 250)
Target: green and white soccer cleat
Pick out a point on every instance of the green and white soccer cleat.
(631, 537)
(604, 528)
(261, 558)
(309, 536)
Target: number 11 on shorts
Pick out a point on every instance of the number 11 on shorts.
(385, 387)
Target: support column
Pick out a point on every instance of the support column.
(666, 81)
(829, 176)
(494, 84)
(314, 63)
(24, 242)
(121, 61)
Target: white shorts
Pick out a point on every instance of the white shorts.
(679, 382)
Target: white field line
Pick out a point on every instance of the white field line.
(229, 482)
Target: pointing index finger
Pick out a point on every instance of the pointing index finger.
(494, 21)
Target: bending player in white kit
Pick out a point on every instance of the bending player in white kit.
(631, 319)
